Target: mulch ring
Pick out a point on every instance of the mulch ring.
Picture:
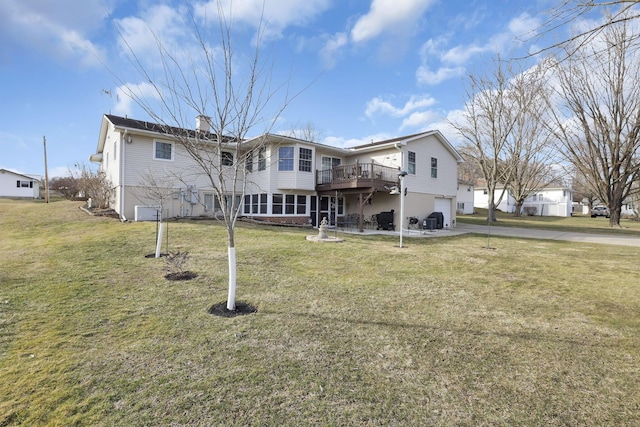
(183, 275)
(242, 309)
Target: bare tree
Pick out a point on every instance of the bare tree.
(231, 93)
(486, 126)
(568, 14)
(306, 132)
(65, 185)
(94, 185)
(583, 190)
(599, 119)
(531, 153)
(157, 189)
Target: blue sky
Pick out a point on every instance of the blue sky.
(378, 68)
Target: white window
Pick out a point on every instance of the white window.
(249, 161)
(304, 162)
(163, 151)
(301, 206)
(262, 158)
(285, 158)
(289, 204)
(208, 202)
(434, 167)
(255, 203)
(277, 200)
(411, 164)
(227, 158)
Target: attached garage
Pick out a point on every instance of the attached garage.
(444, 206)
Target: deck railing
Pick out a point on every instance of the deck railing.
(360, 172)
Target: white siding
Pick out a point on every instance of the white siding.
(9, 185)
(464, 197)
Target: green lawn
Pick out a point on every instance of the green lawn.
(440, 332)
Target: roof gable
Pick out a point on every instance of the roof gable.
(21, 175)
(403, 140)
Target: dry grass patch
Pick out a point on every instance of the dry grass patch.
(443, 332)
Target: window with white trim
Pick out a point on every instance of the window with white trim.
(301, 206)
(208, 202)
(163, 151)
(285, 158)
(262, 158)
(277, 203)
(226, 158)
(248, 164)
(290, 204)
(411, 163)
(304, 162)
(255, 204)
(434, 167)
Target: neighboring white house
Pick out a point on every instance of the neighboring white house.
(629, 207)
(465, 198)
(481, 199)
(13, 184)
(550, 201)
(288, 180)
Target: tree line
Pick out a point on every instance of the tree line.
(573, 117)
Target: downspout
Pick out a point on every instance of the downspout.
(123, 143)
(397, 145)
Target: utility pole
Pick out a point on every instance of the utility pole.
(46, 171)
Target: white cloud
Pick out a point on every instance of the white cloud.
(524, 26)
(132, 94)
(140, 36)
(419, 119)
(389, 16)
(332, 48)
(336, 141)
(273, 16)
(462, 54)
(425, 76)
(51, 29)
(451, 62)
(379, 106)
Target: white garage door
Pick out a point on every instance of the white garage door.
(444, 206)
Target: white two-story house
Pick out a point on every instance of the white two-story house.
(548, 201)
(288, 180)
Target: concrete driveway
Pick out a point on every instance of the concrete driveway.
(529, 233)
(526, 233)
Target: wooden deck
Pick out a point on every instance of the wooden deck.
(356, 178)
(363, 179)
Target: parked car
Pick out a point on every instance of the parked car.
(600, 211)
